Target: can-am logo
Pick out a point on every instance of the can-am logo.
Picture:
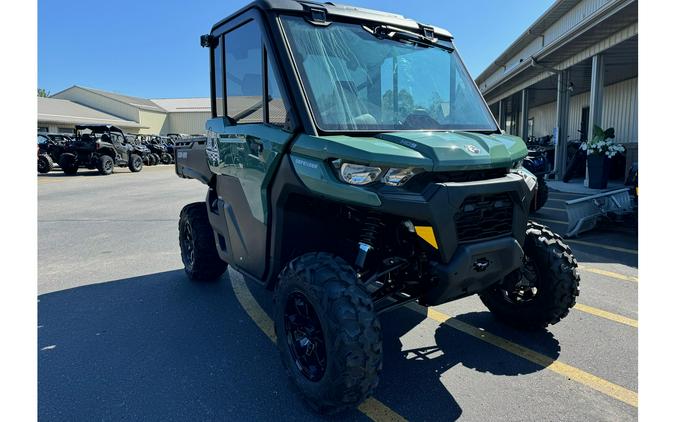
(473, 149)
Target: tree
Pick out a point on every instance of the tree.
(43, 92)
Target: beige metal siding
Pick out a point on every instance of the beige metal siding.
(155, 122)
(544, 119)
(187, 122)
(619, 110)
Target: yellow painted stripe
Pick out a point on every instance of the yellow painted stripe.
(378, 411)
(600, 245)
(371, 407)
(608, 388)
(553, 209)
(608, 273)
(252, 308)
(607, 315)
(549, 220)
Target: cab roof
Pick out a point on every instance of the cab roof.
(336, 10)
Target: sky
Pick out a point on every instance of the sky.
(150, 49)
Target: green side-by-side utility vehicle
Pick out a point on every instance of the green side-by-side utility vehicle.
(353, 167)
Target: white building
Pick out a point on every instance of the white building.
(575, 67)
(78, 105)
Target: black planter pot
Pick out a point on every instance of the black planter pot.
(598, 171)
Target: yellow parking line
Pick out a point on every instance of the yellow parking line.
(253, 309)
(371, 407)
(549, 220)
(608, 388)
(378, 411)
(608, 273)
(600, 245)
(607, 315)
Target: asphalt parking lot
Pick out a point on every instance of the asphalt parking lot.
(124, 335)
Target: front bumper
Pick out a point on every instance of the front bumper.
(467, 261)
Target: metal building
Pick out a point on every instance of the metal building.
(575, 67)
(57, 115)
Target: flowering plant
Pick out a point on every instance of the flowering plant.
(602, 143)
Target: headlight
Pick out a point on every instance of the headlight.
(357, 174)
(397, 177)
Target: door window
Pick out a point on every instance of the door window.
(243, 74)
(278, 110)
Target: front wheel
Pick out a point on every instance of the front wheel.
(45, 163)
(328, 333)
(105, 165)
(135, 163)
(543, 290)
(198, 245)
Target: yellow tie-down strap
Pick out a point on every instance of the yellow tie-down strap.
(427, 233)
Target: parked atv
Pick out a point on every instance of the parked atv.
(364, 173)
(50, 147)
(99, 147)
(159, 148)
(537, 163)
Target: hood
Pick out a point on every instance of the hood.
(431, 151)
(461, 150)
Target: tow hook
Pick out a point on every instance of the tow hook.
(481, 264)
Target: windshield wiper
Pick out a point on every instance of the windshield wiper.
(401, 35)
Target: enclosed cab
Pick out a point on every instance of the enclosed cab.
(353, 167)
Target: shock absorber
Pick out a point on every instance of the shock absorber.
(372, 224)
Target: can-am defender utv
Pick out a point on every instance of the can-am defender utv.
(353, 167)
(100, 147)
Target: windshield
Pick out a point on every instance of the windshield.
(356, 81)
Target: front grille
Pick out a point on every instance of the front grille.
(469, 175)
(484, 216)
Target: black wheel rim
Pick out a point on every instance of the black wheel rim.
(137, 162)
(304, 337)
(187, 247)
(526, 288)
(107, 165)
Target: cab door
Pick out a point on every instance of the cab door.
(245, 141)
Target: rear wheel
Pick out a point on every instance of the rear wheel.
(68, 163)
(166, 158)
(198, 245)
(543, 291)
(44, 163)
(105, 165)
(135, 163)
(329, 336)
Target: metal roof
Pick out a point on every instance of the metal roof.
(54, 110)
(184, 105)
(141, 103)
